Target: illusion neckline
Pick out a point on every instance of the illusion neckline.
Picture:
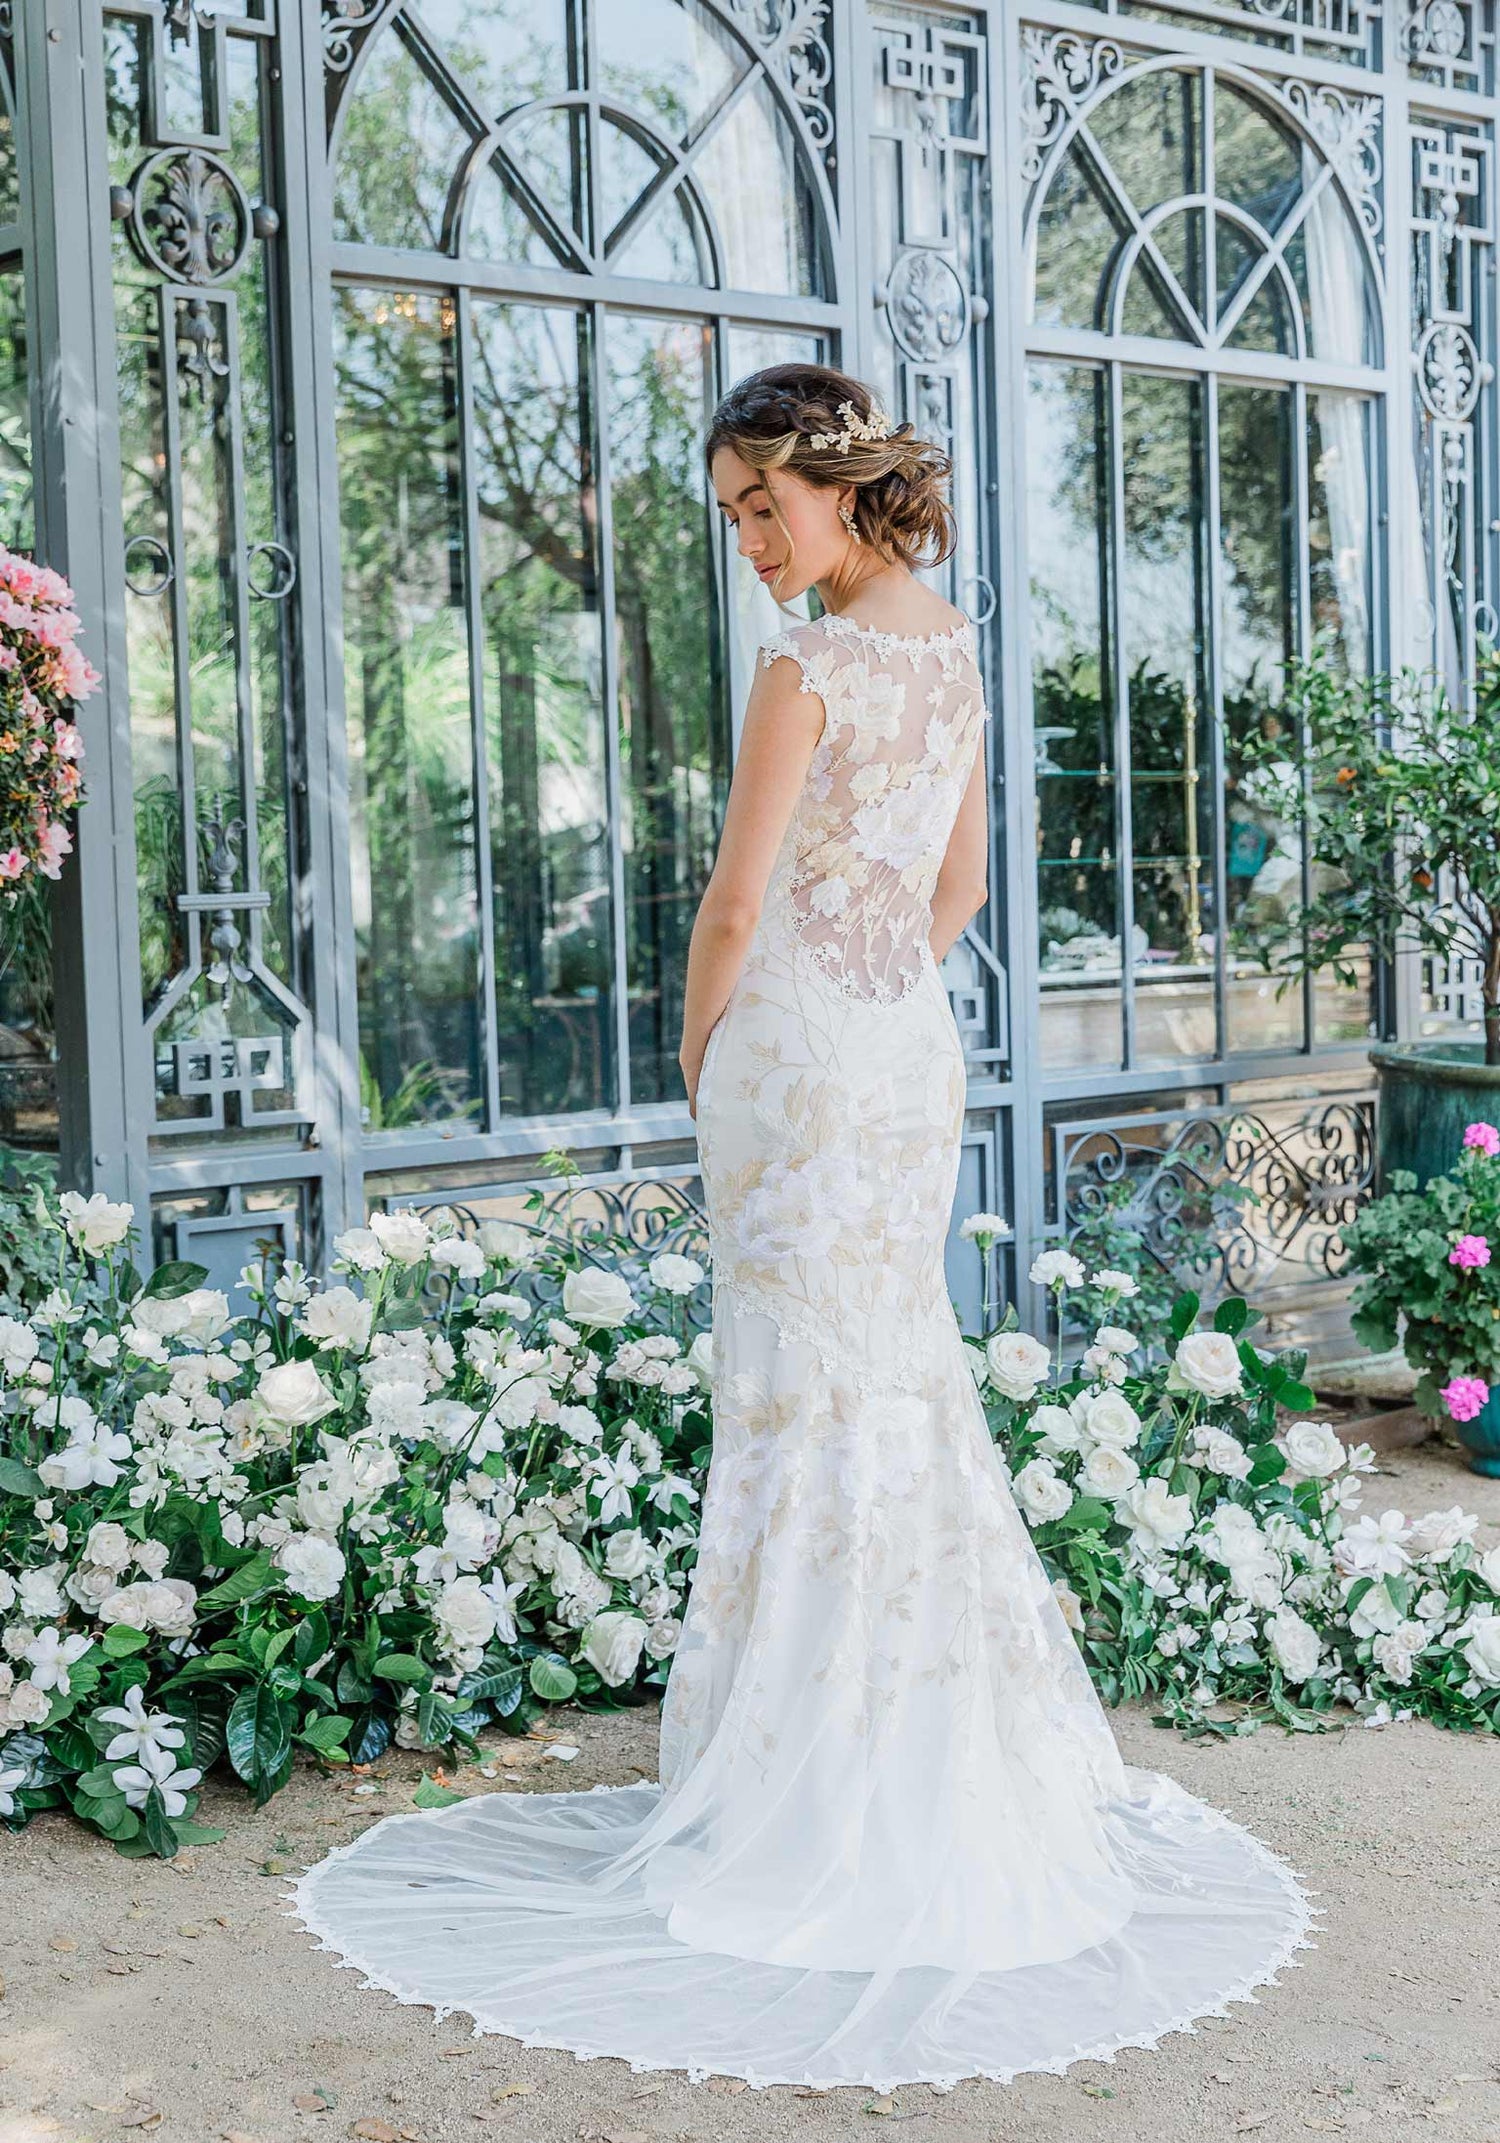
(840, 622)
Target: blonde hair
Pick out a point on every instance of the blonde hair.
(901, 507)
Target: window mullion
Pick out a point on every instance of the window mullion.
(1120, 663)
(474, 609)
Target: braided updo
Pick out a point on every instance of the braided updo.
(900, 505)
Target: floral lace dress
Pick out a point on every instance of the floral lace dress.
(893, 1839)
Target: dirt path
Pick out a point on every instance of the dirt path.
(179, 2000)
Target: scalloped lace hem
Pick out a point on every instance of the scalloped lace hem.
(300, 1903)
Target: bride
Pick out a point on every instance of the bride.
(893, 1839)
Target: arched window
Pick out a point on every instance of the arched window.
(1201, 449)
(558, 232)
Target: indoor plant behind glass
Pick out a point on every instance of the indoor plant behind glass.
(1401, 793)
(1425, 1256)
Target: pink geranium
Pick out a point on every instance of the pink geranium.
(1465, 1397)
(1484, 1137)
(1469, 1251)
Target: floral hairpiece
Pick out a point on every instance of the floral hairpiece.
(876, 426)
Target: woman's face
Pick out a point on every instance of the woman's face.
(819, 542)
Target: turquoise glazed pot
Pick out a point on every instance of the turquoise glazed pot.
(1429, 1093)
(1481, 1436)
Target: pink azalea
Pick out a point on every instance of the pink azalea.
(12, 863)
(1465, 1397)
(1469, 1251)
(56, 842)
(1485, 1137)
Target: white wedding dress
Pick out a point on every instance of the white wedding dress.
(893, 1839)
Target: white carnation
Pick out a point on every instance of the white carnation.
(1018, 1364)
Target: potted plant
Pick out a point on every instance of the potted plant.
(1398, 790)
(1430, 1260)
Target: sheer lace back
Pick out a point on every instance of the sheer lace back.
(853, 883)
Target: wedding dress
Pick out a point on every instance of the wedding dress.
(893, 1839)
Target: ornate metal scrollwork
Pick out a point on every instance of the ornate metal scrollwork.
(190, 218)
(343, 20)
(793, 36)
(1347, 130)
(926, 304)
(1060, 71)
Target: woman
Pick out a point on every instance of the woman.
(893, 1839)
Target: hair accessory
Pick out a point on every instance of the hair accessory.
(876, 426)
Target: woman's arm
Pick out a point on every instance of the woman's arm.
(781, 728)
(963, 881)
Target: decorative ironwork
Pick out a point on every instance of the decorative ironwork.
(343, 23)
(149, 547)
(926, 305)
(284, 569)
(1347, 130)
(218, 1068)
(1450, 43)
(1276, 1191)
(1060, 73)
(202, 357)
(190, 217)
(792, 34)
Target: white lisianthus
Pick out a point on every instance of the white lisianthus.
(1295, 1643)
(1111, 1282)
(1314, 1449)
(1056, 1268)
(612, 1645)
(1017, 1363)
(1041, 1491)
(312, 1565)
(627, 1554)
(93, 1223)
(460, 1256)
(338, 1318)
(594, 1297)
(294, 1395)
(358, 1250)
(1111, 1419)
(404, 1236)
(1109, 1472)
(1114, 1339)
(1207, 1362)
(674, 1275)
(1156, 1517)
(1434, 1537)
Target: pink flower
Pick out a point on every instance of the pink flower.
(12, 863)
(1485, 1137)
(56, 842)
(1469, 1251)
(1465, 1397)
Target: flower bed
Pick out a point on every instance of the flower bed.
(465, 1487)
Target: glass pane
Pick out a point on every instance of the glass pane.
(544, 711)
(401, 145)
(1151, 308)
(497, 225)
(1266, 322)
(28, 1037)
(505, 52)
(1164, 586)
(411, 761)
(1180, 242)
(1257, 632)
(1077, 861)
(666, 247)
(548, 151)
(10, 176)
(1326, 259)
(17, 515)
(667, 59)
(750, 176)
(673, 737)
(1257, 162)
(205, 568)
(1151, 133)
(270, 620)
(1077, 239)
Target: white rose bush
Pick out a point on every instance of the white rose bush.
(453, 1486)
(1208, 1542)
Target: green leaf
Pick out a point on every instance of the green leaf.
(161, 1835)
(19, 1480)
(121, 1641)
(500, 1688)
(328, 1732)
(197, 1833)
(551, 1678)
(403, 1667)
(278, 1645)
(312, 1639)
(1232, 1315)
(1296, 1397)
(175, 1278)
(250, 1578)
(1184, 1315)
(1267, 1464)
(258, 1736)
(431, 1795)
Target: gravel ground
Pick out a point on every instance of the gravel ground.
(179, 2000)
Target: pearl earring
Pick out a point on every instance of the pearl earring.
(846, 515)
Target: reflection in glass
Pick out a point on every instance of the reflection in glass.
(10, 178)
(673, 740)
(750, 174)
(269, 665)
(753, 612)
(667, 59)
(535, 479)
(1164, 601)
(28, 1080)
(1257, 160)
(1078, 236)
(1077, 856)
(1257, 628)
(504, 52)
(411, 771)
(1150, 132)
(400, 145)
(17, 514)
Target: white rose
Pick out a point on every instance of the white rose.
(404, 1236)
(152, 1557)
(39, 1593)
(1482, 1652)
(1157, 1518)
(1488, 1567)
(1108, 1472)
(470, 1535)
(206, 1314)
(465, 1616)
(358, 1250)
(612, 1645)
(1111, 1419)
(1115, 1339)
(294, 1395)
(674, 1275)
(322, 1498)
(1018, 1364)
(165, 1604)
(593, 1297)
(1116, 1283)
(1041, 1492)
(1056, 1268)
(89, 1585)
(313, 1567)
(338, 1318)
(27, 1705)
(627, 1554)
(1296, 1644)
(1209, 1362)
(94, 1223)
(1434, 1537)
(458, 1255)
(1068, 1600)
(1395, 1651)
(1313, 1448)
(1376, 1615)
(661, 1637)
(700, 1359)
(503, 1243)
(1223, 1453)
(1058, 1428)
